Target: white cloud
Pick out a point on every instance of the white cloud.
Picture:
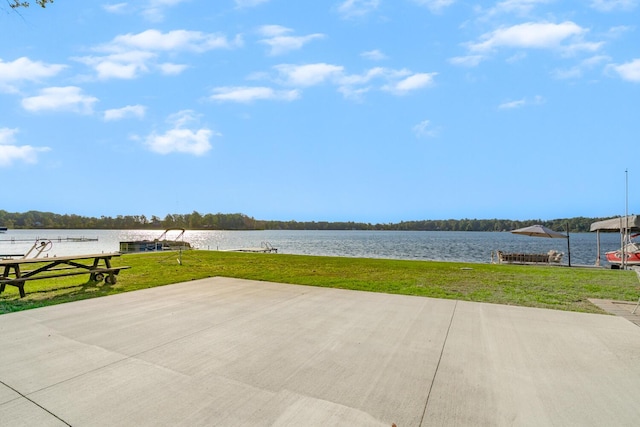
(398, 82)
(171, 69)
(567, 73)
(172, 41)
(7, 135)
(114, 70)
(249, 3)
(353, 86)
(611, 5)
(537, 35)
(510, 105)
(424, 129)
(10, 153)
(308, 75)
(181, 139)
(281, 43)
(273, 30)
(467, 61)
(69, 98)
(130, 111)
(374, 55)
(116, 7)
(183, 118)
(435, 5)
(582, 47)
(629, 71)
(578, 70)
(515, 7)
(24, 69)
(357, 8)
(411, 83)
(618, 31)
(365, 78)
(516, 57)
(125, 65)
(355, 94)
(130, 55)
(151, 10)
(154, 10)
(250, 94)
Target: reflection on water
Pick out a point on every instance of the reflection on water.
(418, 245)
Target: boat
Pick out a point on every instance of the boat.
(162, 243)
(631, 249)
(3, 229)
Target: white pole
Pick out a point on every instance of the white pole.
(598, 247)
(626, 219)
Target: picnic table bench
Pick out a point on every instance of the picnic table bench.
(98, 266)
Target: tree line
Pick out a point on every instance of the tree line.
(238, 221)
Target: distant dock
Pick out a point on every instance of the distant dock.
(55, 239)
(265, 247)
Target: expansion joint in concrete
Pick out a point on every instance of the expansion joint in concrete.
(35, 403)
(435, 374)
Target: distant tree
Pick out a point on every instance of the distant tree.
(209, 221)
(14, 4)
(168, 221)
(155, 221)
(195, 220)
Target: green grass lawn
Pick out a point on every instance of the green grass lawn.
(531, 286)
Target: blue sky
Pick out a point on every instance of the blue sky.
(342, 110)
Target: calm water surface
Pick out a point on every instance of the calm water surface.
(416, 245)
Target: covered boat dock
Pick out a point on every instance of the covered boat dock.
(631, 223)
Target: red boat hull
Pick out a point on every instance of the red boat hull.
(615, 257)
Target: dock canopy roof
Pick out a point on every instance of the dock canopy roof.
(614, 224)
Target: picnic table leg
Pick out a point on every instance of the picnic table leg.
(97, 277)
(93, 276)
(4, 276)
(20, 286)
(111, 277)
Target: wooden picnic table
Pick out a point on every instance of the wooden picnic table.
(98, 266)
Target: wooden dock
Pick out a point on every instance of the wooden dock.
(265, 247)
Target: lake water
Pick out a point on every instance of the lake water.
(416, 245)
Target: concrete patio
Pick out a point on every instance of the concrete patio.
(229, 352)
